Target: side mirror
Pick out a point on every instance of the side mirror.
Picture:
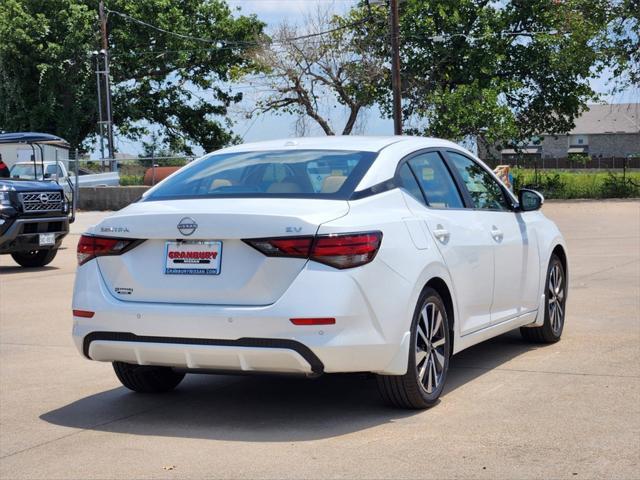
(530, 200)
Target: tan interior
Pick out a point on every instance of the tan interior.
(332, 183)
(220, 182)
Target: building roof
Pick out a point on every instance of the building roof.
(610, 118)
(33, 137)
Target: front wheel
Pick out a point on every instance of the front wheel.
(555, 303)
(428, 360)
(34, 258)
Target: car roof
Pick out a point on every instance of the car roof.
(338, 142)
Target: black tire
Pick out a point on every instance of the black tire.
(147, 379)
(35, 258)
(554, 306)
(419, 389)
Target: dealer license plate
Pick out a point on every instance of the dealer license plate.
(193, 258)
(47, 239)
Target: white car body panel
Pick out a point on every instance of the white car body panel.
(255, 296)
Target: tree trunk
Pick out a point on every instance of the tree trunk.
(351, 121)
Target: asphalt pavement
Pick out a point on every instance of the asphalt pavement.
(510, 409)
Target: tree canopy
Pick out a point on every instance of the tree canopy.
(174, 83)
(501, 71)
(310, 70)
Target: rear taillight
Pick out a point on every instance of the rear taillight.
(296, 247)
(90, 247)
(336, 250)
(346, 251)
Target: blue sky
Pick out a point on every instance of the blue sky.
(268, 126)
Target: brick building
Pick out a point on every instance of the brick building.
(606, 132)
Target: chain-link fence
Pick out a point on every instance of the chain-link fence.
(132, 171)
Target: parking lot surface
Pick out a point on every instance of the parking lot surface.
(510, 409)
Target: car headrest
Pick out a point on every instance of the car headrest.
(332, 183)
(219, 183)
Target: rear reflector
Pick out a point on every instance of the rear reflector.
(336, 250)
(83, 313)
(90, 247)
(313, 321)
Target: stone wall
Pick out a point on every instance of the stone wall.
(555, 146)
(108, 198)
(614, 145)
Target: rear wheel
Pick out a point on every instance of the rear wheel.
(428, 360)
(35, 258)
(147, 379)
(555, 302)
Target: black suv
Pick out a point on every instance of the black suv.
(34, 215)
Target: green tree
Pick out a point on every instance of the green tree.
(620, 43)
(177, 83)
(501, 71)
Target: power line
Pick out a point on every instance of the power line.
(227, 43)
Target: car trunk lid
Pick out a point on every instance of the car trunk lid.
(208, 234)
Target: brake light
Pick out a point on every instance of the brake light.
(346, 251)
(336, 250)
(296, 247)
(90, 247)
(83, 313)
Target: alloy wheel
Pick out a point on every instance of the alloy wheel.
(430, 347)
(556, 298)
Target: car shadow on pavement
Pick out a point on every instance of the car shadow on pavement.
(15, 269)
(267, 408)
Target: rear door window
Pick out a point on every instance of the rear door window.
(409, 183)
(436, 181)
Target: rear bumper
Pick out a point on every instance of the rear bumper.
(244, 354)
(243, 338)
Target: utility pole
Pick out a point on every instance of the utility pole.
(108, 122)
(100, 115)
(395, 67)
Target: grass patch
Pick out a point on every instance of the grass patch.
(569, 184)
(128, 180)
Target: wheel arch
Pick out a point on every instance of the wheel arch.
(440, 286)
(560, 252)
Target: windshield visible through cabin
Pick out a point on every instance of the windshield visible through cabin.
(24, 171)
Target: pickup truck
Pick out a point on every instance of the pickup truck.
(34, 215)
(34, 218)
(57, 171)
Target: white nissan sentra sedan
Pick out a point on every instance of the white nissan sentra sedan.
(319, 255)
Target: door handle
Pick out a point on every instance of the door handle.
(441, 234)
(496, 233)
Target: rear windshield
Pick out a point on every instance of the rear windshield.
(288, 174)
